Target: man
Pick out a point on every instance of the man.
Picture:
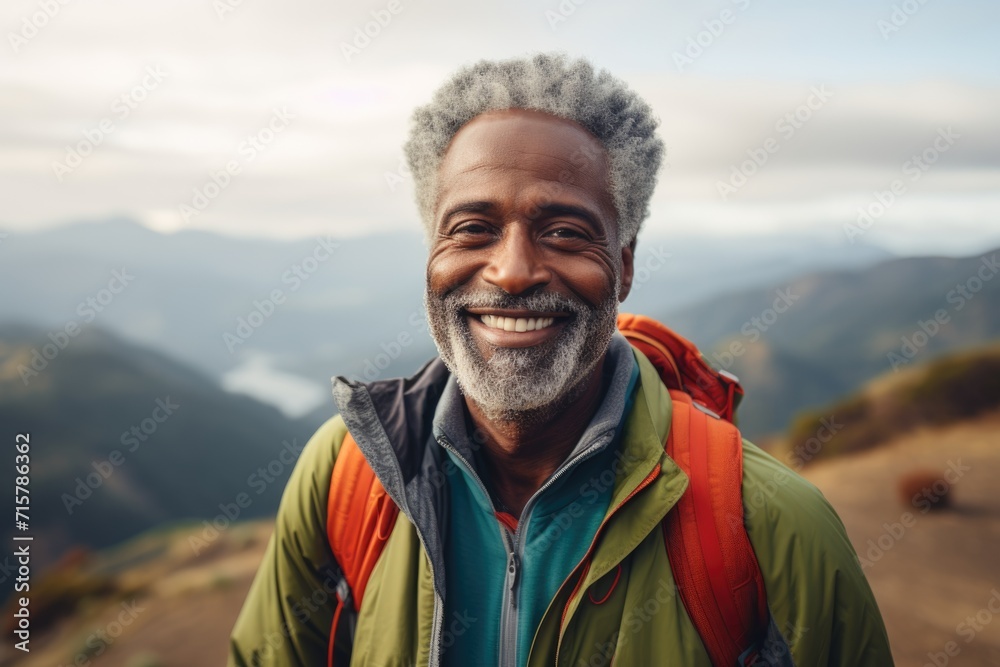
(533, 177)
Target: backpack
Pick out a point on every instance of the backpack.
(714, 565)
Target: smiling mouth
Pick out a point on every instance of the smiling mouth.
(516, 324)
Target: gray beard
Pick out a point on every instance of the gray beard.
(529, 384)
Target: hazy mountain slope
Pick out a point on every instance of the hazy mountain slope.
(838, 329)
(188, 290)
(183, 445)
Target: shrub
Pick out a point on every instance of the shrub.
(924, 489)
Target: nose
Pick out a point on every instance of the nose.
(516, 264)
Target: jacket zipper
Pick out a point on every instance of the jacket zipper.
(515, 549)
(508, 613)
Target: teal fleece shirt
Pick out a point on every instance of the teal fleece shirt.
(553, 534)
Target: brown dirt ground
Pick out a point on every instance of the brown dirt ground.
(944, 566)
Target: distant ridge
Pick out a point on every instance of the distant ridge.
(838, 329)
(124, 438)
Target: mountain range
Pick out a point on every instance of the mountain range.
(277, 318)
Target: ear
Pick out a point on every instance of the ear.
(628, 269)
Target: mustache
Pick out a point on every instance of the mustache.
(539, 301)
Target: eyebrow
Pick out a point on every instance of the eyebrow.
(551, 209)
(468, 207)
(554, 209)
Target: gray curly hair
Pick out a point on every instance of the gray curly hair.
(621, 120)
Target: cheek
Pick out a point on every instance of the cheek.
(447, 269)
(591, 278)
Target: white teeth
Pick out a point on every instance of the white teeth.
(518, 324)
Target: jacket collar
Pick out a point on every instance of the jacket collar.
(392, 423)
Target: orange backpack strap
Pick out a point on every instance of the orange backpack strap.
(681, 365)
(713, 562)
(359, 518)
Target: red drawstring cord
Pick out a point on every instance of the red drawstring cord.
(333, 631)
(590, 593)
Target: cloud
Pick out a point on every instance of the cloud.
(337, 165)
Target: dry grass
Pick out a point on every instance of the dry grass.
(949, 390)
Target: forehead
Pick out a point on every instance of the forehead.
(521, 148)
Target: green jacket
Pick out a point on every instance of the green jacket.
(823, 612)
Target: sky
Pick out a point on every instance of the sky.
(870, 121)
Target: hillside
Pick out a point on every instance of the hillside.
(950, 389)
(805, 342)
(184, 604)
(124, 439)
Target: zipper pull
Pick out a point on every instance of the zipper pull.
(513, 567)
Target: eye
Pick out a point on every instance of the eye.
(473, 231)
(471, 228)
(567, 233)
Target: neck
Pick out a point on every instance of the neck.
(522, 451)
